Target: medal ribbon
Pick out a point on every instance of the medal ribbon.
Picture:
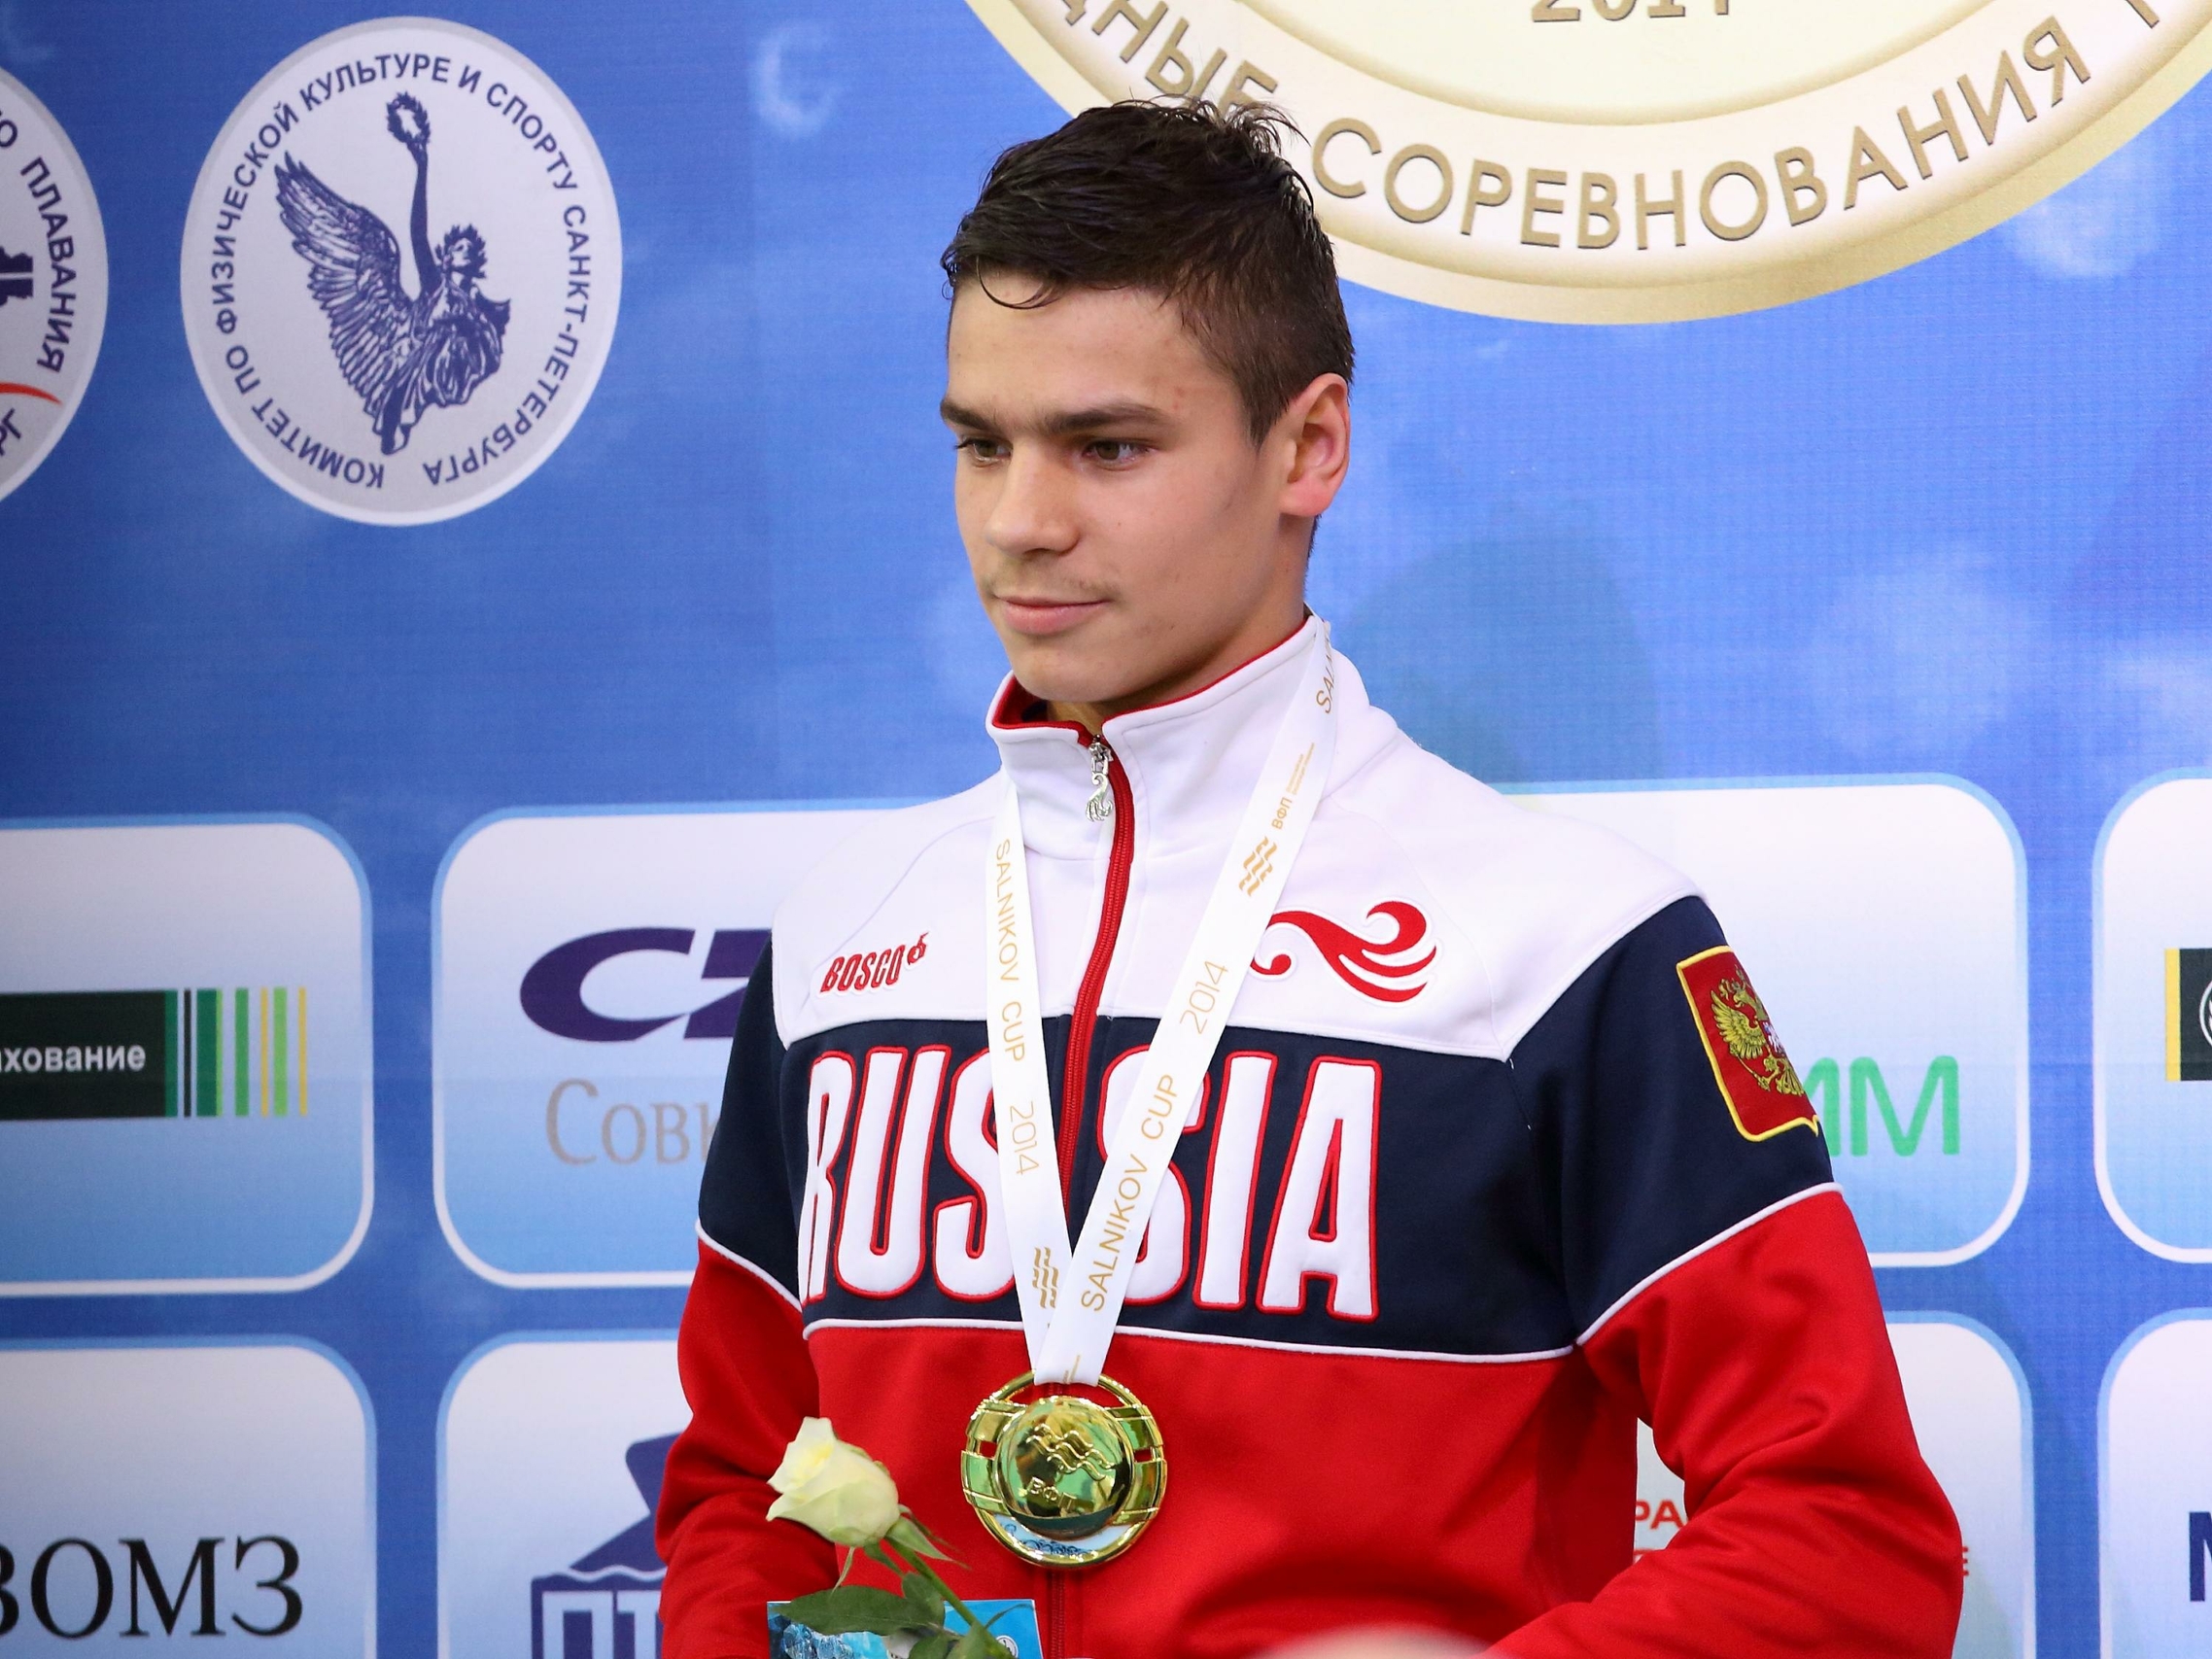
(1071, 1300)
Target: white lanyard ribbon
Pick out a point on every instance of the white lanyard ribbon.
(1072, 1300)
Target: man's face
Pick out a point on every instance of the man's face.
(1127, 538)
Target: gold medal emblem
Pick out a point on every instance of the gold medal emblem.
(1062, 1481)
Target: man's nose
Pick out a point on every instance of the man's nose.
(1034, 511)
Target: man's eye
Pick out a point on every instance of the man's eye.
(1113, 451)
(980, 448)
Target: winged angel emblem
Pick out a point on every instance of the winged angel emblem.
(403, 356)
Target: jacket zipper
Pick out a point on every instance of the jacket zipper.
(1109, 783)
(1109, 798)
(1056, 1614)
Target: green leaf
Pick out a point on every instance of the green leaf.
(935, 1646)
(854, 1608)
(911, 1536)
(921, 1592)
(976, 1642)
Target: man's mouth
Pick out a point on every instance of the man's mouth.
(1042, 615)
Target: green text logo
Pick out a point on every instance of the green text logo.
(1846, 1131)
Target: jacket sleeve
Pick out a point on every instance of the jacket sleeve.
(1723, 1292)
(745, 1372)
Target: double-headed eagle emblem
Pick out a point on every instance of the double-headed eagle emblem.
(1740, 1019)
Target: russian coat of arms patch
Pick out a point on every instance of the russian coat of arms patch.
(1761, 1088)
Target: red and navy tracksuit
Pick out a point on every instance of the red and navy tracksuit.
(1481, 1178)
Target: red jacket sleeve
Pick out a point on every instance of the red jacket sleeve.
(1724, 1296)
(747, 1377)
(1764, 1368)
(745, 1371)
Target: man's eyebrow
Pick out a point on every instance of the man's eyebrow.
(1061, 422)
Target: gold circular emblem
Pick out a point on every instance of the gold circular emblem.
(1642, 160)
(1062, 1481)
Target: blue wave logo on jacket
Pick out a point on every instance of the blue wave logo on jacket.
(404, 356)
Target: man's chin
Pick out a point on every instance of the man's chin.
(1084, 673)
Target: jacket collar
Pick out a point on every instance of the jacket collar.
(1191, 762)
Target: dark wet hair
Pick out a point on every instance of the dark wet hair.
(1192, 202)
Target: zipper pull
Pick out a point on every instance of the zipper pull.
(1100, 807)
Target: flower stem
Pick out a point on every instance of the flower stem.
(917, 1563)
(951, 1599)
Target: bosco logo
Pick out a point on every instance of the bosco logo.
(1634, 161)
(401, 268)
(870, 969)
(53, 281)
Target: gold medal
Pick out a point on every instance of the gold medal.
(1062, 1481)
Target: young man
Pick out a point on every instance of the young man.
(1455, 1139)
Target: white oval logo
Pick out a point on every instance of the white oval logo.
(53, 281)
(1643, 161)
(401, 269)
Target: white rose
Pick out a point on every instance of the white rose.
(837, 1490)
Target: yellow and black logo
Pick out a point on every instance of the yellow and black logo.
(2189, 1016)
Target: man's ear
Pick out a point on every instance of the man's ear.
(1314, 435)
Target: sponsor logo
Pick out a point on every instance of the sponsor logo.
(2189, 1016)
(1385, 969)
(1847, 1130)
(607, 1603)
(53, 281)
(1889, 926)
(1760, 1086)
(626, 1133)
(2155, 1502)
(212, 970)
(401, 267)
(170, 1495)
(1659, 1519)
(871, 970)
(553, 987)
(1633, 160)
(153, 1053)
(590, 971)
(75, 1587)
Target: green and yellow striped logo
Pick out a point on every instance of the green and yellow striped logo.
(237, 1051)
(241, 1051)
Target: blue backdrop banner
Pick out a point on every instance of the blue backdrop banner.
(474, 527)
